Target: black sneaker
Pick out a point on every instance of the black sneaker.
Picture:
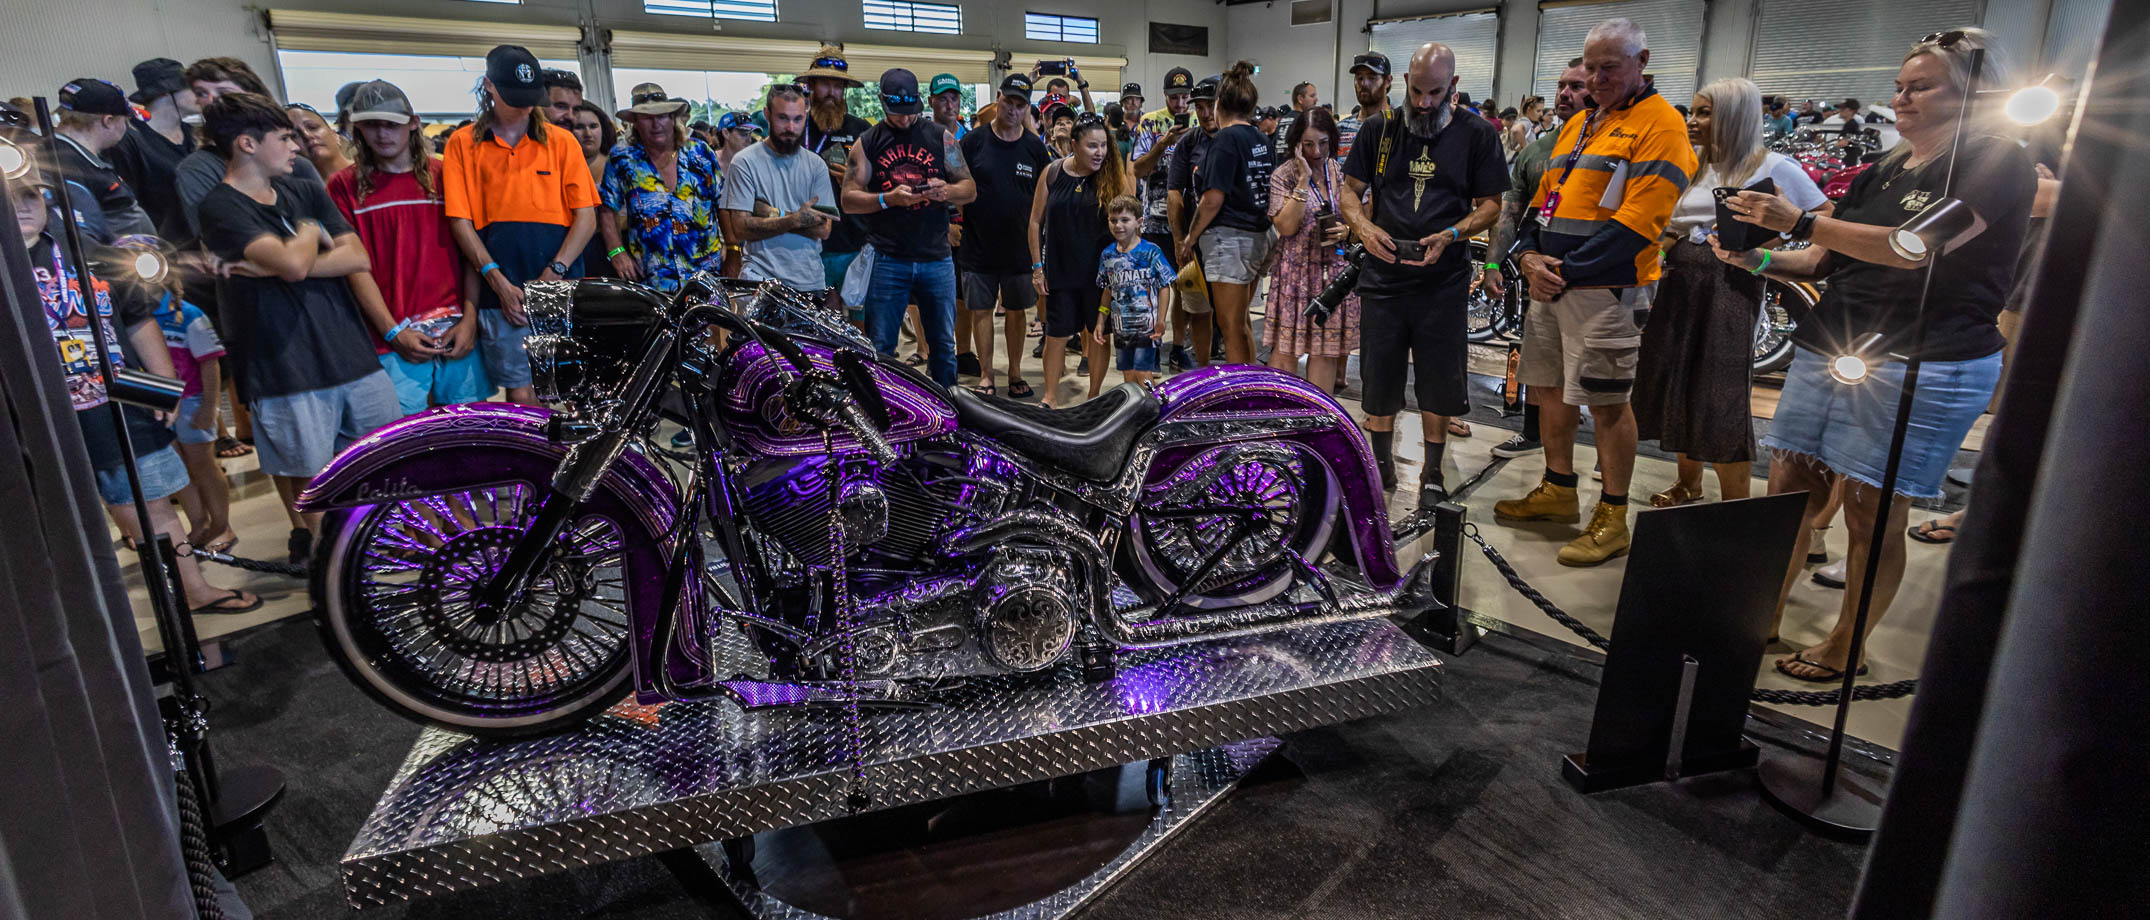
(301, 546)
(1082, 367)
(967, 364)
(1387, 467)
(1430, 495)
(1038, 350)
(1179, 359)
(1517, 446)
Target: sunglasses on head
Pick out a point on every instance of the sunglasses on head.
(659, 96)
(1946, 39)
(1089, 118)
(831, 63)
(288, 106)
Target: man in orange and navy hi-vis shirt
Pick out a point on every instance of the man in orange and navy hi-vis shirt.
(521, 203)
(1590, 256)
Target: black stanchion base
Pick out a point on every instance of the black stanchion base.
(1576, 769)
(244, 797)
(1793, 782)
(1447, 629)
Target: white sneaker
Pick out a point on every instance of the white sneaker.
(1831, 575)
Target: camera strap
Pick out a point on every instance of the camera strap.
(1381, 159)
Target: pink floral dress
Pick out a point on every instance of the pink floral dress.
(1303, 266)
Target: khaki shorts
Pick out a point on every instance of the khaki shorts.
(1584, 344)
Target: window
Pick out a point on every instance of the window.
(441, 88)
(1046, 27)
(905, 16)
(496, 1)
(754, 10)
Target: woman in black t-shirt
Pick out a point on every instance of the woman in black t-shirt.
(1231, 224)
(1067, 234)
(1824, 428)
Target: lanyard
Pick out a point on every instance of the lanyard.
(1582, 139)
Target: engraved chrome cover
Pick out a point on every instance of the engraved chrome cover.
(461, 814)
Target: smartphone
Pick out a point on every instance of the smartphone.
(1410, 250)
(1054, 68)
(1180, 120)
(1735, 235)
(1324, 222)
(829, 209)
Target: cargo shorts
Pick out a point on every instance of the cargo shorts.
(1585, 343)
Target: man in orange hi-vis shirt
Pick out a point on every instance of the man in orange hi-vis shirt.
(521, 204)
(1591, 259)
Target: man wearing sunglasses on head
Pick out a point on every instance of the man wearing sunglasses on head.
(903, 175)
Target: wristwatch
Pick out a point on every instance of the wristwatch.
(1805, 226)
(558, 268)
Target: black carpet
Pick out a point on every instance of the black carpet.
(1454, 810)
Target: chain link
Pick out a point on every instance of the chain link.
(1889, 691)
(856, 798)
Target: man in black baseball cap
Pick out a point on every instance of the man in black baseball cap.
(1181, 195)
(902, 176)
(1179, 81)
(93, 118)
(1370, 83)
(148, 157)
(514, 75)
(1131, 102)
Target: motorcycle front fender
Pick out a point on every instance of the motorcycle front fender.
(451, 448)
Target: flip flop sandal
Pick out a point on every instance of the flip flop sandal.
(1458, 429)
(1933, 532)
(985, 389)
(1829, 674)
(1673, 497)
(915, 360)
(217, 606)
(1020, 389)
(232, 448)
(223, 546)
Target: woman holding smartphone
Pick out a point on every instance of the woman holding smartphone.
(1310, 236)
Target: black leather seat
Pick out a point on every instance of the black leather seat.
(1091, 440)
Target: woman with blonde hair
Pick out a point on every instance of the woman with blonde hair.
(1827, 430)
(1694, 376)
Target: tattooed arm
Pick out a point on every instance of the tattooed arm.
(961, 188)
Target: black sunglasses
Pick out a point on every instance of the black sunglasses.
(641, 98)
(1089, 118)
(1946, 39)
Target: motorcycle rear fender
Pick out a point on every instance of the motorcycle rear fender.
(1252, 395)
(457, 447)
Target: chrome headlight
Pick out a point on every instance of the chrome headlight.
(555, 366)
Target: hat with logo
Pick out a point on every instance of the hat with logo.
(1178, 81)
(157, 78)
(945, 83)
(899, 92)
(830, 64)
(1371, 60)
(92, 96)
(1057, 110)
(380, 100)
(736, 120)
(515, 75)
(651, 99)
(1016, 85)
(1131, 89)
(1207, 88)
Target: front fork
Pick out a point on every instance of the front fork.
(592, 447)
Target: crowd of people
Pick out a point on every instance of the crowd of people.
(339, 272)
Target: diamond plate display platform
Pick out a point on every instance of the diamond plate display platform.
(1199, 780)
(462, 813)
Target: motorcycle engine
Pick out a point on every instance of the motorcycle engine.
(892, 516)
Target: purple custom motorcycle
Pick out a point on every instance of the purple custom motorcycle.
(506, 570)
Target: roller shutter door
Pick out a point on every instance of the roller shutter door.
(1474, 36)
(1673, 28)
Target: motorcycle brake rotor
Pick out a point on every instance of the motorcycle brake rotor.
(455, 572)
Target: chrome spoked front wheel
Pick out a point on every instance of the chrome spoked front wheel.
(397, 604)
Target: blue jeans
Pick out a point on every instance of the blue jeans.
(894, 286)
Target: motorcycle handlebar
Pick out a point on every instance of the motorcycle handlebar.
(861, 427)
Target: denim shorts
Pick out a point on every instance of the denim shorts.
(501, 342)
(1139, 357)
(297, 434)
(1847, 427)
(1233, 256)
(163, 475)
(438, 382)
(188, 434)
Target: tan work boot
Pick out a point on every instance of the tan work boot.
(1605, 538)
(1547, 502)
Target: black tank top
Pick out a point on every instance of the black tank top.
(1075, 232)
(906, 156)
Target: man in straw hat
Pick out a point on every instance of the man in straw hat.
(831, 129)
(665, 183)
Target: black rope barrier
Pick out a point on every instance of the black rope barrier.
(194, 845)
(251, 565)
(1889, 691)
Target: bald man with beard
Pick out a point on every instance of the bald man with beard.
(1435, 179)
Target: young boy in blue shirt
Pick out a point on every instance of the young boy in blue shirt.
(1138, 286)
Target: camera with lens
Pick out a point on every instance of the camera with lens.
(1332, 295)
